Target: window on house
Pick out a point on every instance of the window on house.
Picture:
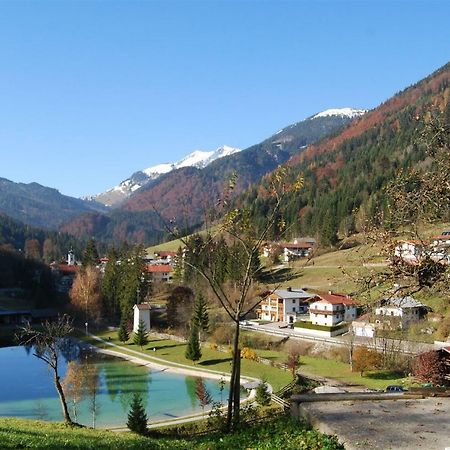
(293, 301)
(293, 309)
(326, 315)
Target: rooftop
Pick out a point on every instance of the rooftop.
(402, 302)
(337, 299)
(290, 293)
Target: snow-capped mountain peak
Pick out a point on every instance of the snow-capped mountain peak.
(343, 112)
(194, 159)
(198, 158)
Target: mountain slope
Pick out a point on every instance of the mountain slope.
(345, 174)
(184, 194)
(199, 159)
(40, 206)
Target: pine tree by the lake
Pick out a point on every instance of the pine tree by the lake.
(137, 417)
(123, 334)
(193, 350)
(140, 336)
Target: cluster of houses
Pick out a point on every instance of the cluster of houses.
(160, 265)
(437, 248)
(299, 248)
(331, 314)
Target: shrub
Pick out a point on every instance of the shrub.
(223, 335)
(365, 359)
(430, 367)
(248, 353)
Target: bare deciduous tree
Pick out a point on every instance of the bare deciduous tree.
(48, 344)
(242, 293)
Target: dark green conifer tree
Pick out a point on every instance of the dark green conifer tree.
(134, 285)
(137, 417)
(200, 317)
(262, 394)
(90, 255)
(140, 336)
(123, 334)
(193, 350)
(110, 288)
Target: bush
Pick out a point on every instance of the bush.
(430, 367)
(223, 335)
(248, 353)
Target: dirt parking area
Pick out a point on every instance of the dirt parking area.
(385, 424)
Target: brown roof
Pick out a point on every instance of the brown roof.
(159, 268)
(336, 299)
(164, 254)
(143, 306)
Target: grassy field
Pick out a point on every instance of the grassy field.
(276, 433)
(173, 351)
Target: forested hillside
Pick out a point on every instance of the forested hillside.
(185, 194)
(345, 175)
(35, 243)
(41, 206)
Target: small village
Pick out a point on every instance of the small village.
(225, 225)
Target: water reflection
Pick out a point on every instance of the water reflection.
(107, 387)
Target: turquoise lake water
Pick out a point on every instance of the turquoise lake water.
(27, 390)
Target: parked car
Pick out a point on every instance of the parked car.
(395, 388)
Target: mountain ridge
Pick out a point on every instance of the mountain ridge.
(198, 158)
(41, 206)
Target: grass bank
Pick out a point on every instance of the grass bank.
(275, 433)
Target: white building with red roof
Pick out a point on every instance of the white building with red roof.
(331, 309)
(160, 272)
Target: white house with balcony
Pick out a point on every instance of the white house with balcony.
(284, 305)
(331, 309)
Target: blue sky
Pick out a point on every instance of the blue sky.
(91, 91)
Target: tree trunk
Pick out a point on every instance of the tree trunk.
(62, 398)
(233, 411)
(237, 390)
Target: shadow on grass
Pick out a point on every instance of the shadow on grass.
(278, 275)
(163, 347)
(212, 362)
(384, 375)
